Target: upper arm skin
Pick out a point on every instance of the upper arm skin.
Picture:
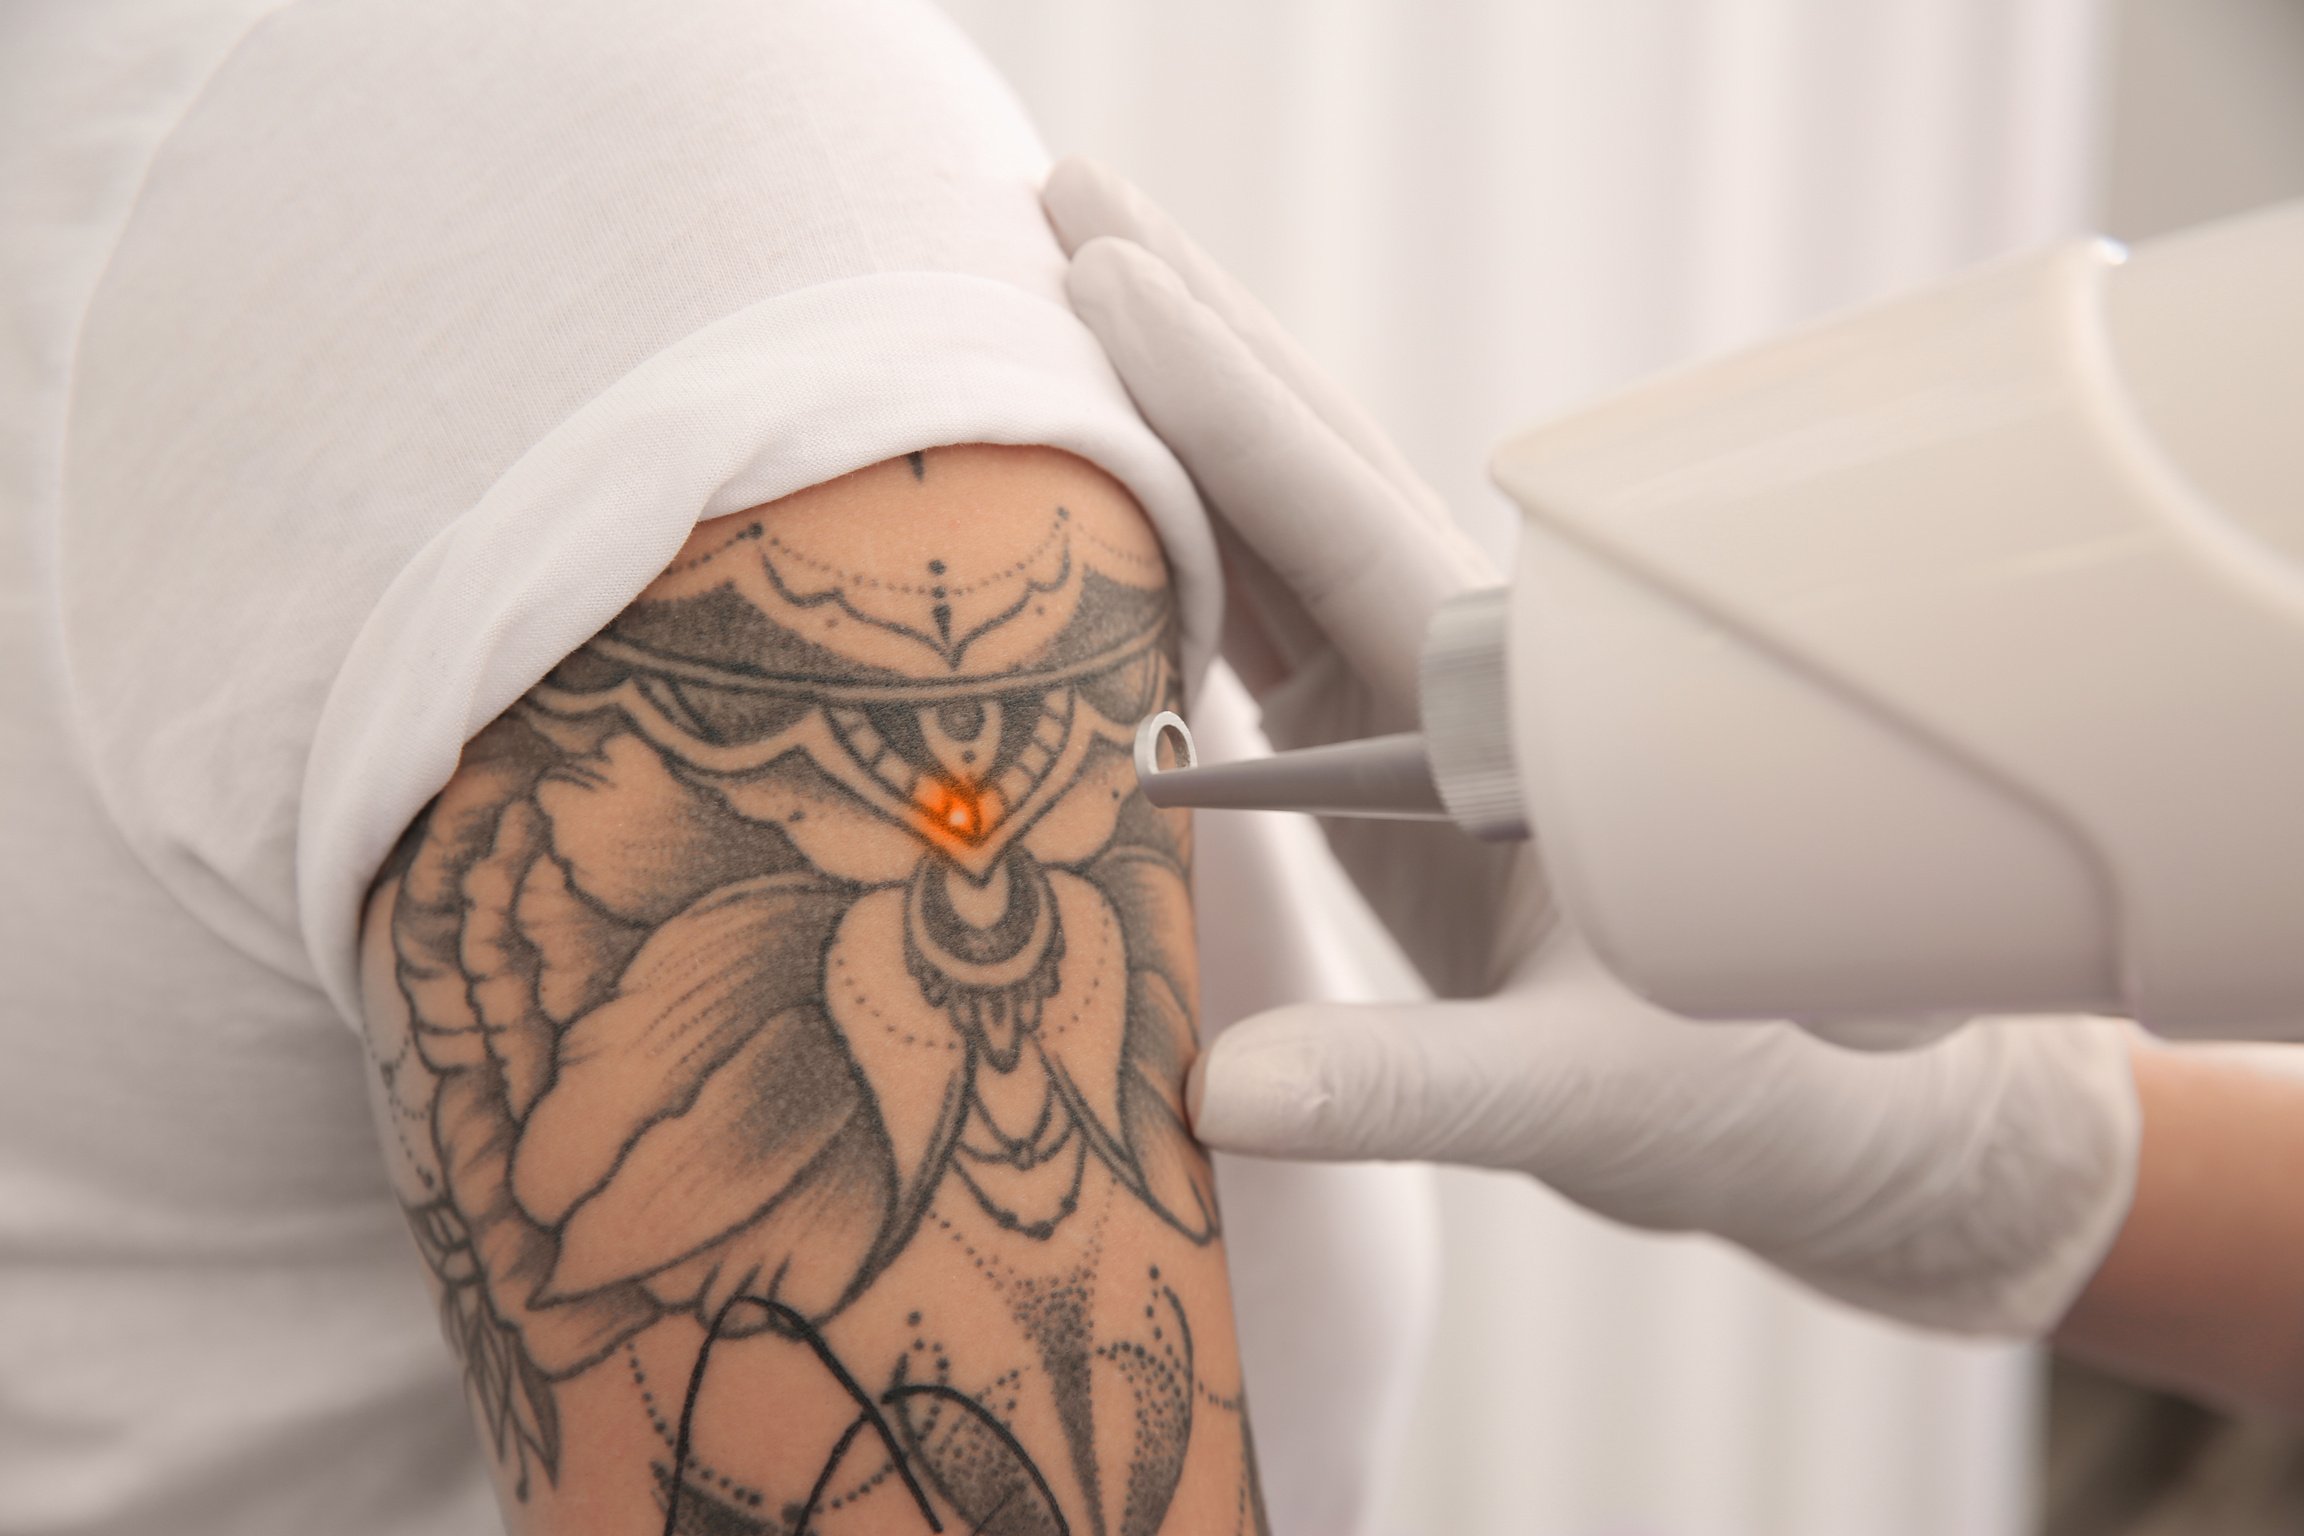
(780, 1023)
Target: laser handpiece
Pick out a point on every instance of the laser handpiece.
(1946, 657)
(1458, 768)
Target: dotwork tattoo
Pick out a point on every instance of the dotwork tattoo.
(800, 944)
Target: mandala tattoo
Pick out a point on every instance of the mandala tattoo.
(801, 931)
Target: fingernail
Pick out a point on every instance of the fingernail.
(1256, 1101)
(1195, 1089)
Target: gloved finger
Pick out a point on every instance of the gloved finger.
(1087, 201)
(1368, 570)
(1438, 1082)
(1268, 637)
(1251, 641)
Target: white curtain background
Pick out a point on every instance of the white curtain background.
(1481, 212)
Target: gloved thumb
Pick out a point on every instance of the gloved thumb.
(1338, 1082)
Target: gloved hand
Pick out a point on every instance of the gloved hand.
(1972, 1185)
(1336, 555)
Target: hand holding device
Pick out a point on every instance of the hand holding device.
(1973, 1184)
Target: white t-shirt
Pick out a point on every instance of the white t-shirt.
(364, 357)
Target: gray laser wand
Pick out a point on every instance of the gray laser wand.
(1458, 768)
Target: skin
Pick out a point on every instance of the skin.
(2200, 1291)
(779, 1027)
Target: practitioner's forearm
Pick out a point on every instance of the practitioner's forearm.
(2203, 1291)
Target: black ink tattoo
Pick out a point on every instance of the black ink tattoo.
(518, 1409)
(996, 1486)
(804, 915)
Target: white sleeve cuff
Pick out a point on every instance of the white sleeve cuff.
(774, 398)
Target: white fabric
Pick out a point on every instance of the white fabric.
(374, 354)
(783, 394)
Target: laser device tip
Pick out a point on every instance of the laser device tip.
(1148, 736)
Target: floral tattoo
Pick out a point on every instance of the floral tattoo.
(806, 921)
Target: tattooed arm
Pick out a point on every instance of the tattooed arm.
(780, 1023)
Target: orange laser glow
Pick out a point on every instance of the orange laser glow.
(955, 810)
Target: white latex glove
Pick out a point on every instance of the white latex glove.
(1971, 1185)
(1336, 554)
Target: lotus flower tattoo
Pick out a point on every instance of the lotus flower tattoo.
(793, 899)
